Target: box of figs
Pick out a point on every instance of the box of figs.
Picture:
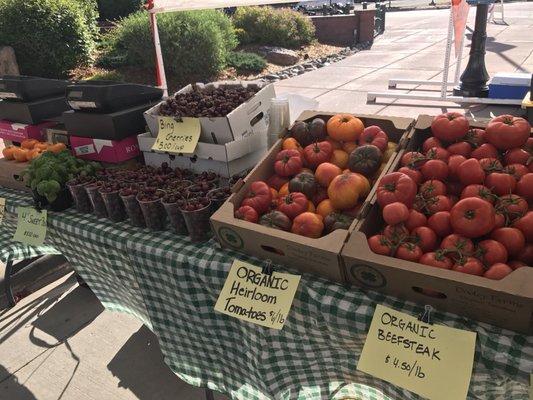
(227, 110)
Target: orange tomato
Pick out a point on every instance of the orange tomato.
(339, 158)
(8, 152)
(363, 184)
(345, 127)
(311, 206)
(274, 193)
(284, 190)
(325, 208)
(29, 143)
(41, 146)
(344, 191)
(33, 154)
(56, 148)
(325, 173)
(20, 154)
(308, 224)
(291, 143)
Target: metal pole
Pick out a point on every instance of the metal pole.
(159, 65)
(474, 78)
(449, 43)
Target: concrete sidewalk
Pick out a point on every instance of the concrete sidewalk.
(60, 343)
(413, 47)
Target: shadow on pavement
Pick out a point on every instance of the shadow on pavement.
(11, 389)
(140, 368)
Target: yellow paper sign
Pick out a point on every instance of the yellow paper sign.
(177, 137)
(252, 296)
(31, 226)
(2, 208)
(433, 361)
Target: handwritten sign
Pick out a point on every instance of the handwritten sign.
(31, 226)
(2, 208)
(177, 137)
(252, 296)
(433, 361)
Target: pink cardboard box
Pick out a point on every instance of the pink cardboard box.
(111, 151)
(18, 132)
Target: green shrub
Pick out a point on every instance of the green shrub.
(273, 26)
(195, 44)
(50, 37)
(245, 62)
(115, 9)
(107, 76)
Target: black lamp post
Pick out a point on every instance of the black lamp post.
(475, 76)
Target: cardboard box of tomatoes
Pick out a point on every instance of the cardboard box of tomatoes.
(452, 226)
(297, 205)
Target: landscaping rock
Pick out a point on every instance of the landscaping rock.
(281, 56)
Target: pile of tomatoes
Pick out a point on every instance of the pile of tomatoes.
(30, 149)
(321, 174)
(463, 202)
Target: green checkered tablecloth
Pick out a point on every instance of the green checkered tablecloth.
(172, 285)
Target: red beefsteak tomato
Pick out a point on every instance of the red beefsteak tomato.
(507, 131)
(318, 153)
(288, 162)
(472, 217)
(450, 126)
(258, 197)
(396, 187)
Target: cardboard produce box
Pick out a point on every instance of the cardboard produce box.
(10, 173)
(110, 151)
(16, 132)
(249, 117)
(317, 256)
(507, 303)
(225, 159)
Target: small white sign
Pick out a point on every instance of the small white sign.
(84, 150)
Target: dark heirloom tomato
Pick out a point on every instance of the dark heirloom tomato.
(277, 181)
(365, 160)
(337, 220)
(450, 126)
(276, 220)
(288, 162)
(258, 197)
(472, 217)
(304, 183)
(507, 131)
(396, 187)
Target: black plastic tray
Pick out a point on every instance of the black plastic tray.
(32, 112)
(110, 126)
(30, 88)
(106, 96)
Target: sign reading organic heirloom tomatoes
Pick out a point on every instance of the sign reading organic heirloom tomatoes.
(433, 361)
(252, 296)
(177, 136)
